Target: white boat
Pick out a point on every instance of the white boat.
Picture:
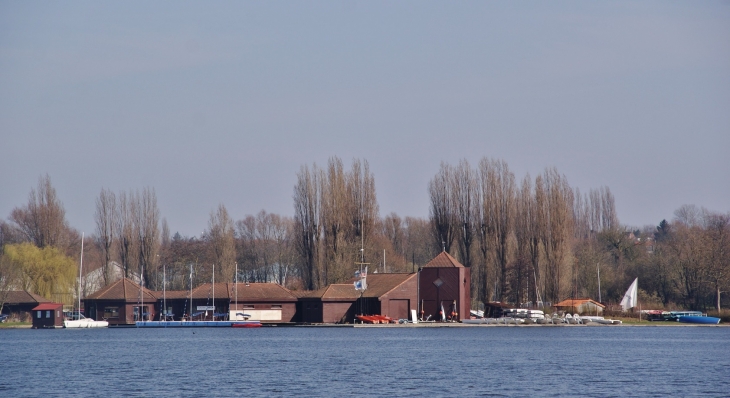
(78, 320)
(608, 321)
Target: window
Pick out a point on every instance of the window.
(48, 314)
(112, 312)
(39, 314)
(276, 306)
(248, 306)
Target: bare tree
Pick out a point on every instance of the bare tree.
(442, 208)
(465, 192)
(106, 221)
(222, 243)
(43, 220)
(307, 207)
(147, 221)
(717, 266)
(334, 221)
(126, 231)
(555, 202)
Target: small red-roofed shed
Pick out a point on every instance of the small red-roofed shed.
(47, 316)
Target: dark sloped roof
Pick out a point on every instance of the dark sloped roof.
(24, 297)
(377, 286)
(260, 291)
(380, 284)
(310, 293)
(443, 260)
(341, 291)
(123, 289)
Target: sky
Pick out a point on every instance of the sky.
(222, 102)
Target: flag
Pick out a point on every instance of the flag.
(629, 300)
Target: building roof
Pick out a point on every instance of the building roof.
(24, 297)
(260, 292)
(377, 286)
(443, 260)
(47, 307)
(123, 289)
(577, 302)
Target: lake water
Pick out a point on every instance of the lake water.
(604, 361)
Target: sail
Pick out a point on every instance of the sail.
(629, 300)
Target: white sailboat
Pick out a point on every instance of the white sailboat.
(77, 319)
(630, 298)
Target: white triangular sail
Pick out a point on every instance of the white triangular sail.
(629, 300)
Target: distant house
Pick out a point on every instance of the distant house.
(580, 306)
(445, 284)
(20, 303)
(48, 315)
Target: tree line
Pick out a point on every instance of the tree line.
(536, 240)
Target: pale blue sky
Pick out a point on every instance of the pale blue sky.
(222, 102)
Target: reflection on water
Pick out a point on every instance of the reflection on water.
(470, 361)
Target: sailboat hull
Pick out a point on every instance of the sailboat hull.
(85, 324)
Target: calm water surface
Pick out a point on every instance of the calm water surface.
(469, 361)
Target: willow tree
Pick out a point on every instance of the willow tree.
(44, 271)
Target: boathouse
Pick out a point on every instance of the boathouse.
(20, 303)
(121, 303)
(48, 316)
(391, 295)
(265, 302)
(444, 286)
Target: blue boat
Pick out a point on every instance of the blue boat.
(700, 319)
(196, 324)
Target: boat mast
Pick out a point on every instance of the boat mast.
(191, 291)
(81, 266)
(598, 269)
(214, 291)
(236, 286)
(164, 297)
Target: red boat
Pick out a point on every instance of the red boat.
(246, 324)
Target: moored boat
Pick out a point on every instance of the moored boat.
(246, 324)
(80, 321)
(699, 319)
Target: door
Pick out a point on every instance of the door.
(399, 308)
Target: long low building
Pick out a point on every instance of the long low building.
(439, 291)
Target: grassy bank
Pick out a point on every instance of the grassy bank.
(15, 325)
